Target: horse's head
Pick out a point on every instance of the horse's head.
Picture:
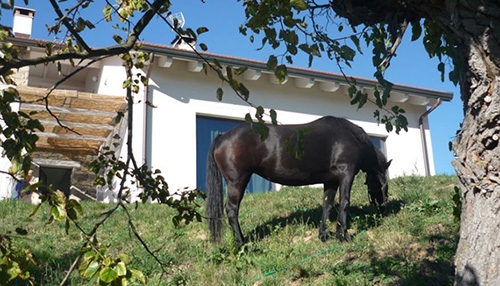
(378, 187)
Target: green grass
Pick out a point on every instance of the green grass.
(414, 244)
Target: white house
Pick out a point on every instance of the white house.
(174, 135)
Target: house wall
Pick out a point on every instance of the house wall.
(180, 95)
(165, 136)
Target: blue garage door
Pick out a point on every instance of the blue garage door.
(207, 129)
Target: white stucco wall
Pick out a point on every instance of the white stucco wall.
(165, 136)
(180, 95)
(6, 181)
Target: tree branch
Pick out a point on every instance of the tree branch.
(64, 19)
(92, 53)
(387, 59)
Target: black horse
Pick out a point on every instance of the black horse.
(329, 150)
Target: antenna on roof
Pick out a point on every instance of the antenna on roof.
(177, 19)
(183, 42)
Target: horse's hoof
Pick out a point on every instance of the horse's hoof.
(347, 237)
(343, 237)
(323, 236)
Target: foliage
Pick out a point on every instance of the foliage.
(18, 140)
(104, 270)
(15, 261)
(318, 29)
(129, 18)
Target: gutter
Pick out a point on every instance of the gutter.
(145, 121)
(422, 135)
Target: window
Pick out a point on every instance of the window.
(207, 129)
(379, 142)
(59, 178)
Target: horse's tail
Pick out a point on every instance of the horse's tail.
(214, 209)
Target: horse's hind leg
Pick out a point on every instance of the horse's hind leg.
(235, 192)
(330, 189)
(344, 203)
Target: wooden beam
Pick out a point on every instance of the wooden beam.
(329, 86)
(419, 100)
(274, 80)
(252, 74)
(398, 97)
(194, 66)
(304, 82)
(165, 61)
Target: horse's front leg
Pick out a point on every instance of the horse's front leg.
(344, 203)
(330, 189)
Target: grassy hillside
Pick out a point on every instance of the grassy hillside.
(413, 245)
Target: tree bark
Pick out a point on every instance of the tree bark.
(474, 26)
(477, 151)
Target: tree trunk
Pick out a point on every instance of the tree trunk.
(477, 260)
(474, 26)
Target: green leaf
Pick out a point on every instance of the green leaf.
(388, 126)
(124, 258)
(241, 70)
(347, 53)
(58, 212)
(117, 39)
(107, 11)
(203, 47)
(72, 214)
(107, 275)
(121, 269)
(261, 129)
(416, 30)
(441, 69)
(91, 269)
(299, 5)
(272, 62)
(248, 118)
(280, 72)
(355, 40)
(201, 30)
(217, 63)
(66, 226)
(259, 112)
(137, 275)
(274, 115)
(35, 210)
(243, 90)
(220, 93)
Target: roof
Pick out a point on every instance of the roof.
(293, 71)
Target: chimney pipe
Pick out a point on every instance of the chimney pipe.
(23, 22)
(184, 43)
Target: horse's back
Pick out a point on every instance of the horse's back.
(298, 154)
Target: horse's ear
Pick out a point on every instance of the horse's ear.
(388, 164)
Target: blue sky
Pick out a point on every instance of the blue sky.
(411, 66)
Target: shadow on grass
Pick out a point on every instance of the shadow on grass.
(397, 269)
(51, 269)
(367, 214)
